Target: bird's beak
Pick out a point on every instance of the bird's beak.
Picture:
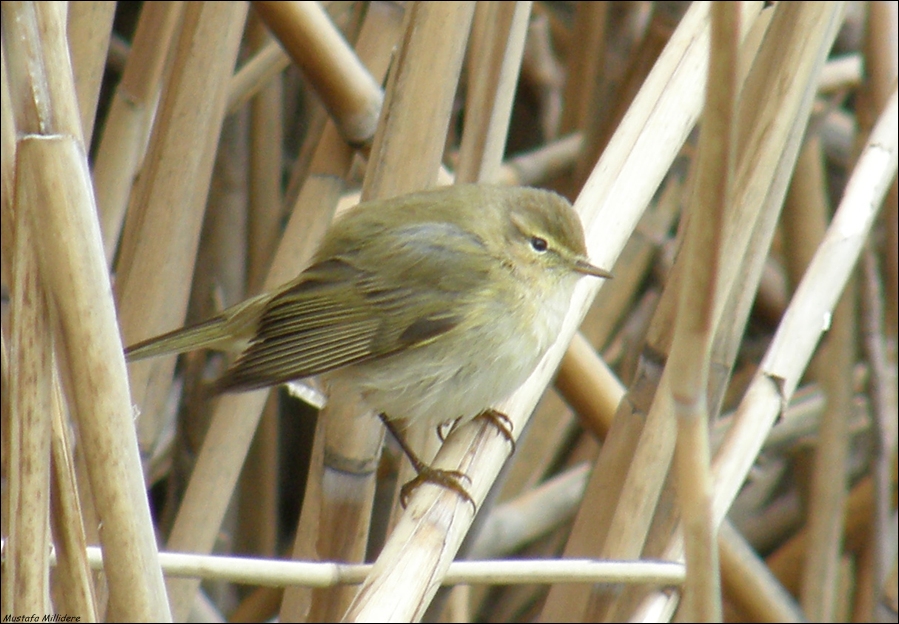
(582, 266)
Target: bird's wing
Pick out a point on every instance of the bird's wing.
(339, 314)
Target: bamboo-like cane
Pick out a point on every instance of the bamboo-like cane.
(88, 29)
(161, 234)
(689, 359)
(497, 45)
(73, 587)
(348, 91)
(26, 579)
(766, 158)
(814, 300)
(690, 43)
(123, 142)
(56, 202)
(746, 578)
(829, 478)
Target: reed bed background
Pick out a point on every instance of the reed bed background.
(712, 437)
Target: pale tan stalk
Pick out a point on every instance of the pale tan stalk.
(441, 41)
(7, 174)
(827, 497)
(268, 572)
(350, 23)
(748, 581)
(26, 574)
(589, 386)
(665, 17)
(497, 45)
(881, 52)
(338, 502)
(123, 142)
(539, 165)
(159, 243)
(57, 201)
(73, 586)
(882, 387)
(266, 140)
(344, 85)
(805, 214)
(88, 30)
(690, 348)
(412, 125)
(768, 142)
(810, 308)
(842, 72)
(585, 65)
(630, 519)
(267, 62)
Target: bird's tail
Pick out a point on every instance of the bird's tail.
(209, 334)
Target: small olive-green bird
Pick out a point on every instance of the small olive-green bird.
(432, 306)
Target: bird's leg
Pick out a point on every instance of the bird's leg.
(450, 479)
(501, 422)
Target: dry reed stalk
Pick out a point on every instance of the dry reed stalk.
(584, 65)
(882, 386)
(344, 85)
(268, 572)
(811, 305)
(805, 214)
(687, 51)
(125, 133)
(525, 518)
(26, 577)
(693, 331)
(266, 140)
(162, 229)
(336, 514)
(748, 582)
(663, 20)
(827, 496)
(88, 28)
(540, 165)
(767, 145)
(55, 193)
(881, 69)
(589, 386)
(412, 125)
(7, 174)
(72, 586)
(267, 62)
(841, 73)
(496, 48)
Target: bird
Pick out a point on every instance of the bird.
(431, 306)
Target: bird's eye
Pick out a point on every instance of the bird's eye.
(539, 244)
